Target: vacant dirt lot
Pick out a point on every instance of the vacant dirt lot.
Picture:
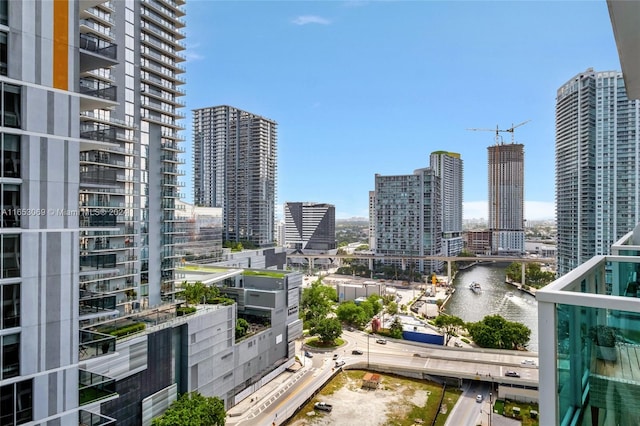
(397, 401)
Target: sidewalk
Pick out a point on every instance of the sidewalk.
(265, 396)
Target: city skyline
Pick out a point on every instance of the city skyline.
(343, 92)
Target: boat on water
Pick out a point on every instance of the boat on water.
(475, 287)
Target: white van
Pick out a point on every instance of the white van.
(340, 363)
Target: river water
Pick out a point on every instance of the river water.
(496, 297)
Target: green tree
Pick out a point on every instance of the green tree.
(317, 302)
(535, 276)
(449, 324)
(392, 308)
(351, 313)
(193, 293)
(395, 329)
(242, 326)
(193, 409)
(327, 329)
(496, 332)
(376, 304)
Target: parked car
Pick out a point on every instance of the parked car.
(340, 363)
(381, 341)
(511, 373)
(530, 362)
(457, 344)
(323, 406)
(479, 398)
(356, 352)
(308, 354)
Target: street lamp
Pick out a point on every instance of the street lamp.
(368, 351)
(490, 406)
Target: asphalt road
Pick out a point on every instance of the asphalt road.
(469, 363)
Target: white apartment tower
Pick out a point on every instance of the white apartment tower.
(234, 157)
(506, 197)
(88, 138)
(407, 217)
(597, 169)
(448, 166)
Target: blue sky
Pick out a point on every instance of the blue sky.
(366, 87)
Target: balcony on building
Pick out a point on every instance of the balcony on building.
(94, 344)
(590, 374)
(97, 94)
(87, 4)
(87, 418)
(96, 52)
(93, 387)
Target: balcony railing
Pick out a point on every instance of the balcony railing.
(87, 418)
(94, 387)
(92, 303)
(99, 46)
(97, 89)
(94, 344)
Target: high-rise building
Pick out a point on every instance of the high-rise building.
(448, 166)
(407, 217)
(593, 310)
(506, 198)
(234, 157)
(89, 182)
(310, 226)
(40, 146)
(372, 221)
(597, 173)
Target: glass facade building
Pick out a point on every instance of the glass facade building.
(597, 172)
(591, 357)
(407, 217)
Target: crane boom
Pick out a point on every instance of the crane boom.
(498, 131)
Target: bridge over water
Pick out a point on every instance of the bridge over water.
(371, 257)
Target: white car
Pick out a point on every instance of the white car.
(339, 363)
(529, 362)
(479, 398)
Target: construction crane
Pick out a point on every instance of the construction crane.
(498, 131)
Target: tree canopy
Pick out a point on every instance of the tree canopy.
(395, 329)
(449, 324)
(193, 409)
(242, 326)
(359, 314)
(198, 292)
(496, 332)
(535, 276)
(352, 314)
(327, 329)
(317, 302)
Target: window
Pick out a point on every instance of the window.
(10, 156)
(10, 306)
(10, 357)
(10, 262)
(16, 403)
(4, 12)
(11, 115)
(3, 50)
(10, 204)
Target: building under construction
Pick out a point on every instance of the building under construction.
(506, 198)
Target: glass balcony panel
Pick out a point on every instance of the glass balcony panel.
(87, 418)
(94, 344)
(94, 387)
